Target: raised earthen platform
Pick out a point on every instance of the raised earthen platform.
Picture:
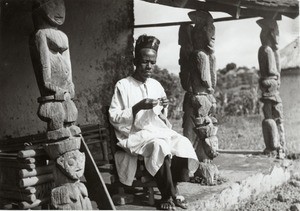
(248, 173)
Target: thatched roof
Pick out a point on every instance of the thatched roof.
(239, 8)
(290, 55)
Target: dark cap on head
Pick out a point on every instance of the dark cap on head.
(267, 23)
(200, 17)
(145, 41)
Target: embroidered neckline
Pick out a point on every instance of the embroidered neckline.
(139, 82)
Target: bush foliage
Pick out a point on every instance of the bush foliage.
(236, 92)
(173, 89)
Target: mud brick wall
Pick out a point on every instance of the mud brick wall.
(100, 35)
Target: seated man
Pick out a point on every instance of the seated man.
(138, 113)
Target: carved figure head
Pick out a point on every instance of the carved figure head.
(203, 34)
(145, 57)
(72, 164)
(269, 32)
(207, 133)
(211, 146)
(48, 12)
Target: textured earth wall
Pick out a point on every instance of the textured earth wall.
(101, 40)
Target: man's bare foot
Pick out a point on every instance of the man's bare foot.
(167, 204)
(180, 201)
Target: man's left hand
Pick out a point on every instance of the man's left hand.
(164, 101)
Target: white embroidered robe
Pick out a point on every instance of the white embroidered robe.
(145, 134)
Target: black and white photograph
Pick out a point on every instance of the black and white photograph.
(150, 105)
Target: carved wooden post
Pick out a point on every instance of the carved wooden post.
(49, 49)
(202, 84)
(269, 82)
(185, 41)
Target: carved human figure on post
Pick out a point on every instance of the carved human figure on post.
(49, 50)
(69, 193)
(269, 82)
(202, 84)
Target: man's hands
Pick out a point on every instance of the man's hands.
(148, 103)
(144, 104)
(163, 101)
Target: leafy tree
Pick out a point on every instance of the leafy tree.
(230, 66)
(169, 81)
(172, 86)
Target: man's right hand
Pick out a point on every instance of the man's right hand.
(144, 104)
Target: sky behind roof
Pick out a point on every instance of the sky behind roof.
(236, 41)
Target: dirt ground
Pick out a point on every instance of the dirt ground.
(245, 133)
(282, 198)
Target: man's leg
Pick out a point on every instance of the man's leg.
(165, 185)
(167, 178)
(180, 173)
(164, 180)
(179, 170)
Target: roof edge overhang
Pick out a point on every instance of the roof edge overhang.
(236, 8)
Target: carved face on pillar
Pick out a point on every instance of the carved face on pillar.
(269, 32)
(210, 34)
(72, 164)
(203, 34)
(51, 12)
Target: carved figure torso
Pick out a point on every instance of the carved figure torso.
(71, 196)
(268, 62)
(203, 76)
(270, 73)
(50, 54)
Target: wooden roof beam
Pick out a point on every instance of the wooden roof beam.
(291, 12)
(187, 22)
(259, 13)
(232, 7)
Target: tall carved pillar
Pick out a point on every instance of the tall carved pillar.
(49, 49)
(269, 82)
(202, 84)
(185, 41)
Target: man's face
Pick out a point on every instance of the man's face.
(145, 63)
